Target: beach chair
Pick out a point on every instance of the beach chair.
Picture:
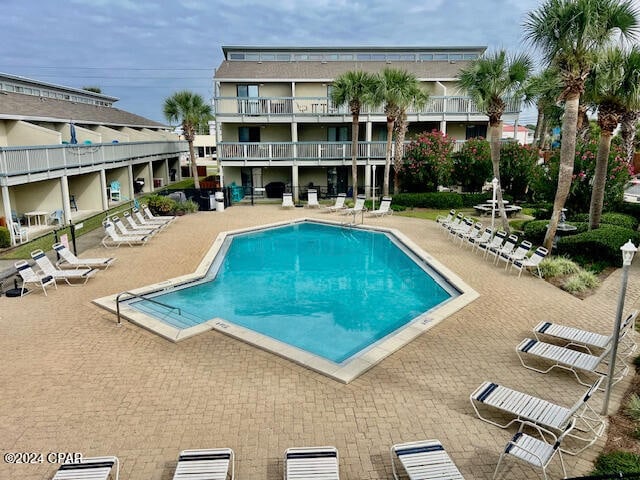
(125, 231)
(357, 208)
(519, 254)
(151, 216)
(68, 259)
(443, 219)
(312, 199)
(80, 275)
(312, 463)
(339, 205)
(383, 209)
(494, 244)
(577, 337)
(464, 228)
(537, 452)
(209, 464)
(588, 426)
(113, 239)
(506, 248)
(470, 236)
(135, 228)
(114, 191)
(455, 222)
(423, 460)
(485, 238)
(20, 233)
(287, 200)
(30, 277)
(568, 359)
(92, 468)
(145, 222)
(531, 262)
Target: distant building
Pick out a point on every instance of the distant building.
(524, 135)
(62, 149)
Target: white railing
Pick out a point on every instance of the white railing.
(26, 160)
(323, 106)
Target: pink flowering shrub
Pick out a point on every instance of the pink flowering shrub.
(516, 167)
(545, 178)
(472, 165)
(427, 162)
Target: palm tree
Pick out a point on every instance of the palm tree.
(628, 128)
(569, 33)
(490, 81)
(191, 110)
(614, 86)
(544, 89)
(397, 89)
(355, 88)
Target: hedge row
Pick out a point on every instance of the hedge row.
(603, 243)
(440, 200)
(611, 218)
(535, 230)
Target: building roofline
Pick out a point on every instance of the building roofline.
(61, 87)
(480, 48)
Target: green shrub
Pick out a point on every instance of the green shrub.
(580, 282)
(535, 230)
(602, 244)
(439, 201)
(188, 206)
(558, 266)
(471, 199)
(5, 237)
(516, 167)
(160, 205)
(617, 462)
(633, 407)
(611, 218)
(427, 162)
(472, 164)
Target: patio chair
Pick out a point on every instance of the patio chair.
(535, 451)
(588, 426)
(383, 209)
(312, 199)
(339, 205)
(113, 239)
(519, 254)
(483, 239)
(442, 219)
(311, 463)
(81, 274)
(93, 468)
(506, 248)
(424, 460)
(474, 233)
(357, 208)
(577, 337)
(68, 259)
(30, 277)
(125, 231)
(210, 464)
(57, 216)
(287, 200)
(115, 191)
(464, 228)
(143, 229)
(531, 262)
(494, 243)
(19, 232)
(145, 222)
(151, 216)
(455, 222)
(568, 359)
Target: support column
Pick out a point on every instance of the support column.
(6, 201)
(130, 168)
(66, 202)
(294, 183)
(367, 180)
(443, 126)
(103, 187)
(152, 187)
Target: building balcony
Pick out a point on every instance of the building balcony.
(41, 162)
(288, 107)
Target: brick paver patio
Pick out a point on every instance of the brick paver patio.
(72, 381)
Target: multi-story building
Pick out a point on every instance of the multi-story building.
(66, 149)
(276, 121)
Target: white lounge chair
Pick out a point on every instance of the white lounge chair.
(454, 223)
(30, 277)
(68, 259)
(506, 248)
(339, 205)
(577, 337)
(121, 227)
(383, 209)
(48, 268)
(139, 228)
(287, 200)
(442, 219)
(147, 222)
(357, 208)
(312, 463)
(569, 359)
(588, 428)
(151, 216)
(20, 233)
(519, 254)
(113, 239)
(209, 464)
(535, 451)
(473, 234)
(312, 199)
(485, 238)
(494, 244)
(531, 262)
(93, 468)
(463, 229)
(424, 460)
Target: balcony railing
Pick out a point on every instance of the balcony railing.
(288, 106)
(26, 160)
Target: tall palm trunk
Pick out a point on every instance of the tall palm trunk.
(387, 160)
(582, 123)
(401, 130)
(355, 127)
(628, 125)
(537, 136)
(495, 132)
(567, 157)
(189, 136)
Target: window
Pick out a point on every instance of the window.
(249, 134)
(268, 57)
(338, 134)
(455, 56)
(283, 57)
(441, 56)
(236, 56)
(426, 56)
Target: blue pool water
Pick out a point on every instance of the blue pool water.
(329, 290)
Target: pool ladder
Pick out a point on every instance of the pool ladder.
(354, 223)
(142, 297)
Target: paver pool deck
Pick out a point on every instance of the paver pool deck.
(73, 381)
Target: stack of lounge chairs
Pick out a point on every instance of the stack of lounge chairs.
(139, 228)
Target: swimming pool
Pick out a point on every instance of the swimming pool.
(336, 299)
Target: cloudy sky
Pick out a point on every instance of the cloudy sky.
(141, 51)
